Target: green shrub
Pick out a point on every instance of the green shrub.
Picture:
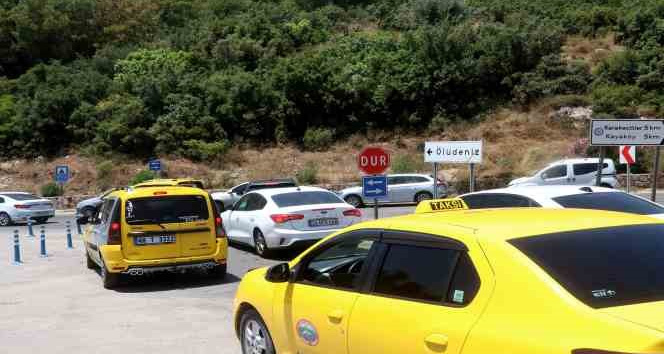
(142, 176)
(317, 139)
(308, 174)
(198, 150)
(405, 164)
(51, 189)
(104, 170)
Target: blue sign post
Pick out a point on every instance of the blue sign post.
(62, 173)
(374, 187)
(154, 165)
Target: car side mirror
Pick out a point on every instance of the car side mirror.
(543, 176)
(279, 273)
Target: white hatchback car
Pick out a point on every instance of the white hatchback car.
(270, 219)
(18, 207)
(563, 197)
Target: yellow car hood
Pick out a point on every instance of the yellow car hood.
(649, 314)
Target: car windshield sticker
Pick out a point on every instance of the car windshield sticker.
(603, 293)
(458, 296)
(307, 332)
(188, 218)
(130, 210)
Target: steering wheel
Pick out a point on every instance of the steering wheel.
(320, 277)
(356, 267)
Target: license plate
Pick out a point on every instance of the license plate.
(323, 222)
(153, 240)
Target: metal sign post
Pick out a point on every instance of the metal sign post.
(627, 157)
(600, 167)
(435, 180)
(471, 185)
(655, 170)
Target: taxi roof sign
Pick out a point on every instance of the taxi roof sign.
(438, 205)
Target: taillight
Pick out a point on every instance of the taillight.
(353, 212)
(21, 206)
(115, 234)
(282, 218)
(220, 227)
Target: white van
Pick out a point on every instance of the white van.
(579, 172)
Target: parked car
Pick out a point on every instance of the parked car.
(234, 194)
(87, 208)
(163, 182)
(526, 280)
(270, 219)
(153, 229)
(18, 207)
(580, 172)
(401, 188)
(563, 197)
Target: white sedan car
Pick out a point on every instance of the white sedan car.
(563, 197)
(270, 219)
(19, 207)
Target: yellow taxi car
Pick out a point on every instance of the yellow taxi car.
(165, 182)
(144, 230)
(517, 281)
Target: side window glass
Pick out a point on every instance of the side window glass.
(242, 204)
(478, 201)
(417, 273)
(421, 180)
(2, 200)
(106, 210)
(260, 202)
(338, 266)
(465, 282)
(555, 172)
(239, 190)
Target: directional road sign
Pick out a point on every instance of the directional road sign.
(453, 151)
(627, 155)
(374, 186)
(62, 173)
(373, 160)
(154, 165)
(615, 132)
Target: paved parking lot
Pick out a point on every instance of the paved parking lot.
(55, 304)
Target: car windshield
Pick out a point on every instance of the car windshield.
(603, 267)
(305, 198)
(162, 210)
(612, 201)
(21, 196)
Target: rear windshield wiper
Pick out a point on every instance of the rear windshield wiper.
(151, 221)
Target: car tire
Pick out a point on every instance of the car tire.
(354, 200)
(5, 220)
(41, 220)
(110, 280)
(254, 335)
(89, 262)
(260, 245)
(422, 196)
(218, 271)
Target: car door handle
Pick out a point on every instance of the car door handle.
(335, 316)
(436, 343)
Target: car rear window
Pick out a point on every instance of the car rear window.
(603, 267)
(267, 185)
(166, 209)
(612, 201)
(304, 198)
(21, 196)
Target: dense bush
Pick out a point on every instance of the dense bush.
(318, 139)
(51, 189)
(142, 176)
(308, 174)
(104, 177)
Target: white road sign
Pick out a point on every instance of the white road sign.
(616, 132)
(453, 151)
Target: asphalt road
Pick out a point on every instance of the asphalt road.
(56, 305)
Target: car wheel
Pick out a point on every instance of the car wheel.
(110, 280)
(260, 244)
(5, 220)
(89, 262)
(354, 200)
(41, 220)
(422, 196)
(256, 338)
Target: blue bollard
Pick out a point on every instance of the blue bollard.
(69, 243)
(78, 227)
(42, 243)
(31, 233)
(17, 249)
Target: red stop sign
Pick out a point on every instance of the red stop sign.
(373, 160)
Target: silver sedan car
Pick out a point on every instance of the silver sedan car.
(401, 188)
(18, 207)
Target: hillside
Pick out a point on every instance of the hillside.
(242, 88)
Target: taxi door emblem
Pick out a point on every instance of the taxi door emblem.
(307, 332)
